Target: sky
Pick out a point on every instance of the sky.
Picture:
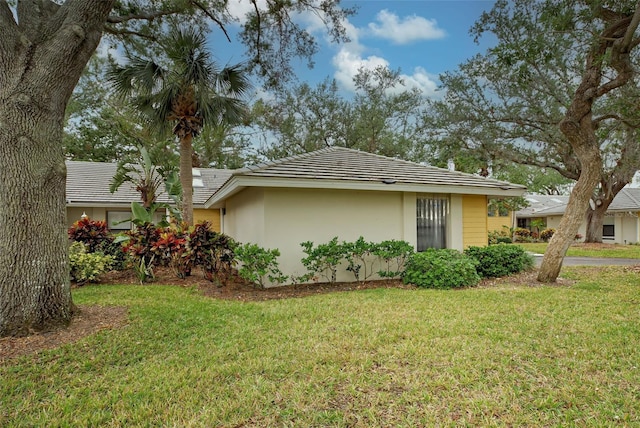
(422, 38)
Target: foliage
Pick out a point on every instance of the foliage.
(258, 264)
(500, 260)
(214, 251)
(323, 260)
(500, 236)
(547, 234)
(383, 117)
(357, 254)
(188, 92)
(521, 234)
(394, 255)
(86, 266)
(92, 233)
(138, 247)
(441, 268)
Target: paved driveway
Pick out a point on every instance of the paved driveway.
(592, 261)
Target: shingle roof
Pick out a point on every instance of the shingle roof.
(338, 163)
(88, 183)
(628, 199)
(342, 168)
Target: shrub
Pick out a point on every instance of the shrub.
(324, 259)
(91, 233)
(85, 266)
(394, 255)
(443, 269)
(520, 234)
(214, 251)
(259, 264)
(547, 234)
(113, 248)
(500, 260)
(356, 254)
(497, 237)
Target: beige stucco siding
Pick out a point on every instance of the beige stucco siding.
(293, 216)
(474, 220)
(245, 216)
(94, 213)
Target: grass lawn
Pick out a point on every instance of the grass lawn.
(502, 356)
(590, 250)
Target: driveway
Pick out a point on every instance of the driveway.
(591, 261)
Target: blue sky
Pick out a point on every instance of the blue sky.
(421, 37)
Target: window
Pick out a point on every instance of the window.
(431, 222)
(118, 220)
(608, 231)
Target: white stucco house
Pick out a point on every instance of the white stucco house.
(621, 223)
(347, 193)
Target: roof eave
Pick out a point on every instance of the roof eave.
(237, 183)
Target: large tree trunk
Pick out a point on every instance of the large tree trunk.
(186, 177)
(43, 56)
(573, 216)
(578, 126)
(595, 220)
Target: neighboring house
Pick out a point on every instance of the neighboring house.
(88, 193)
(621, 223)
(348, 194)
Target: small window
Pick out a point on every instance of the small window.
(608, 231)
(432, 214)
(118, 220)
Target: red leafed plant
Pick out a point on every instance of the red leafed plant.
(92, 233)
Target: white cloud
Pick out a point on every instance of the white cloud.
(406, 30)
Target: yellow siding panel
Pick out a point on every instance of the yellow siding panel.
(212, 216)
(474, 220)
(498, 223)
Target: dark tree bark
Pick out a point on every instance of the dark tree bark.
(43, 56)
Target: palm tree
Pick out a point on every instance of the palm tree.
(189, 93)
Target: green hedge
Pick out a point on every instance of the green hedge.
(441, 269)
(500, 260)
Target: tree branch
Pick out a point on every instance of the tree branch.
(213, 18)
(111, 30)
(148, 16)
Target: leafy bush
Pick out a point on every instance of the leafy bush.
(497, 237)
(500, 260)
(443, 269)
(393, 254)
(91, 233)
(324, 259)
(259, 264)
(547, 234)
(85, 266)
(214, 251)
(113, 248)
(356, 254)
(520, 234)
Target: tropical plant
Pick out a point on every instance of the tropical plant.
(91, 233)
(189, 93)
(214, 251)
(86, 266)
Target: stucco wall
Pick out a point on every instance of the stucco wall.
(474, 220)
(244, 219)
(297, 215)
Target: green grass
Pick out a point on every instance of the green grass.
(586, 250)
(504, 356)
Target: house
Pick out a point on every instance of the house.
(88, 194)
(347, 193)
(621, 223)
